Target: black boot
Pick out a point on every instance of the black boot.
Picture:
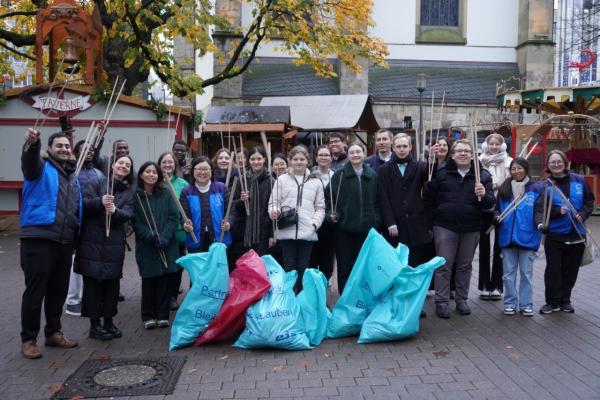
(97, 331)
(110, 327)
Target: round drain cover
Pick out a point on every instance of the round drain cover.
(124, 375)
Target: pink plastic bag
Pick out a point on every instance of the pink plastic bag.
(247, 284)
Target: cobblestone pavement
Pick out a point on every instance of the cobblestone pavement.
(482, 356)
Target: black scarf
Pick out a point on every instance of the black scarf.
(252, 229)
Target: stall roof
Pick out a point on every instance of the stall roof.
(328, 113)
(247, 119)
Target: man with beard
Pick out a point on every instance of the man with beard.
(383, 142)
(50, 219)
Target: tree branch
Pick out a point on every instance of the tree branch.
(17, 52)
(18, 13)
(17, 39)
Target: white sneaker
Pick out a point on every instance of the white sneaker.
(150, 324)
(527, 311)
(509, 311)
(495, 295)
(163, 323)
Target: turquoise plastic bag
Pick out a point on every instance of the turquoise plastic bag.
(209, 275)
(397, 316)
(313, 305)
(275, 321)
(373, 274)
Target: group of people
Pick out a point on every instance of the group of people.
(305, 217)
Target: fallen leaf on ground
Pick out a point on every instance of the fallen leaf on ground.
(513, 355)
(57, 387)
(225, 357)
(440, 354)
(58, 365)
(327, 355)
(76, 397)
(103, 357)
(278, 368)
(305, 363)
(191, 371)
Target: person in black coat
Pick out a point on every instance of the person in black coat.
(400, 182)
(254, 231)
(454, 202)
(100, 254)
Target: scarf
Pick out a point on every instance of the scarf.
(492, 159)
(518, 188)
(252, 229)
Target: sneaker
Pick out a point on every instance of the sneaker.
(485, 295)
(442, 310)
(30, 350)
(527, 312)
(73, 309)
(113, 330)
(549, 308)
(163, 323)
(463, 308)
(100, 333)
(509, 311)
(567, 307)
(150, 324)
(495, 295)
(58, 339)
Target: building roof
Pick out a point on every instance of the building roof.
(247, 115)
(464, 82)
(327, 113)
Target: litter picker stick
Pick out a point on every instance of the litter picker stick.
(108, 192)
(548, 210)
(155, 228)
(112, 107)
(511, 207)
(233, 187)
(243, 175)
(269, 157)
(431, 125)
(337, 196)
(475, 158)
(229, 167)
(532, 149)
(179, 207)
(160, 252)
(524, 149)
(437, 135)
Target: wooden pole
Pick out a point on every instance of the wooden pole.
(226, 218)
(179, 207)
(243, 175)
(532, 149)
(153, 220)
(154, 232)
(524, 149)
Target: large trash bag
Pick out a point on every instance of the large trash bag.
(372, 275)
(397, 315)
(248, 282)
(313, 305)
(275, 321)
(209, 275)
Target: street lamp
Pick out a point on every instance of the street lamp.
(421, 85)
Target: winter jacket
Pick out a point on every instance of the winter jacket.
(339, 162)
(99, 256)
(178, 185)
(450, 200)
(518, 228)
(375, 162)
(190, 200)
(401, 202)
(580, 195)
(238, 211)
(166, 217)
(310, 208)
(357, 207)
(89, 174)
(51, 202)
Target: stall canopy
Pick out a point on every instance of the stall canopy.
(247, 119)
(328, 113)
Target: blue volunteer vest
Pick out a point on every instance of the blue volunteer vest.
(563, 224)
(217, 207)
(518, 228)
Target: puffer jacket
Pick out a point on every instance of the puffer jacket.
(98, 256)
(357, 206)
(311, 207)
(58, 218)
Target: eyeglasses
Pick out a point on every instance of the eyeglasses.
(202, 169)
(556, 163)
(463, 151)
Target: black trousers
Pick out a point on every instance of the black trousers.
(347, 247)
(100, 297)
(489, 278)
(155, 297)
(562, 266)
(322, 252)
(46, 265)
(296, 255)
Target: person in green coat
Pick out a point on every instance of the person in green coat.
(155, 223)
(170, 170)
(355, 209)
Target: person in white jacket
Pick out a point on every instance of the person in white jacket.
(297, 193)
(496, 160)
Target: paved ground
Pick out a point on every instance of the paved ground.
(482, 356)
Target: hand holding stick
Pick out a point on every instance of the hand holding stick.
(509, 209)
(186, 220)
(226, 218)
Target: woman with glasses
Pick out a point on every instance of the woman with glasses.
(565, 232)
(204, 203)
(454, 202)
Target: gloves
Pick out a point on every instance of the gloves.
(496, 220)
(152, 239)
(543, 228)
(160, 244)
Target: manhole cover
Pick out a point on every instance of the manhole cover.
(123, 377)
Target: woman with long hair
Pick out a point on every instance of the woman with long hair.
(279, 165)
(155, 223)
(496, 161)
(519, 238)
(101, 252)
(170, 169)
(572, 203)
(297, 193)
(355, 209)
(220, 162)
(204, 203)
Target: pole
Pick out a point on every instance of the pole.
(421, 131)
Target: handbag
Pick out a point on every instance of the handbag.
(289, 216)
(590, 252)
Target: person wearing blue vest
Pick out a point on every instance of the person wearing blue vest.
(204, 203)
(50, 220)
(565, 240)
(519, 238)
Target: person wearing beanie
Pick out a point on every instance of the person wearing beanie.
(494, 159)
(518, 237)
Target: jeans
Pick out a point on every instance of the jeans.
(513, 260)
